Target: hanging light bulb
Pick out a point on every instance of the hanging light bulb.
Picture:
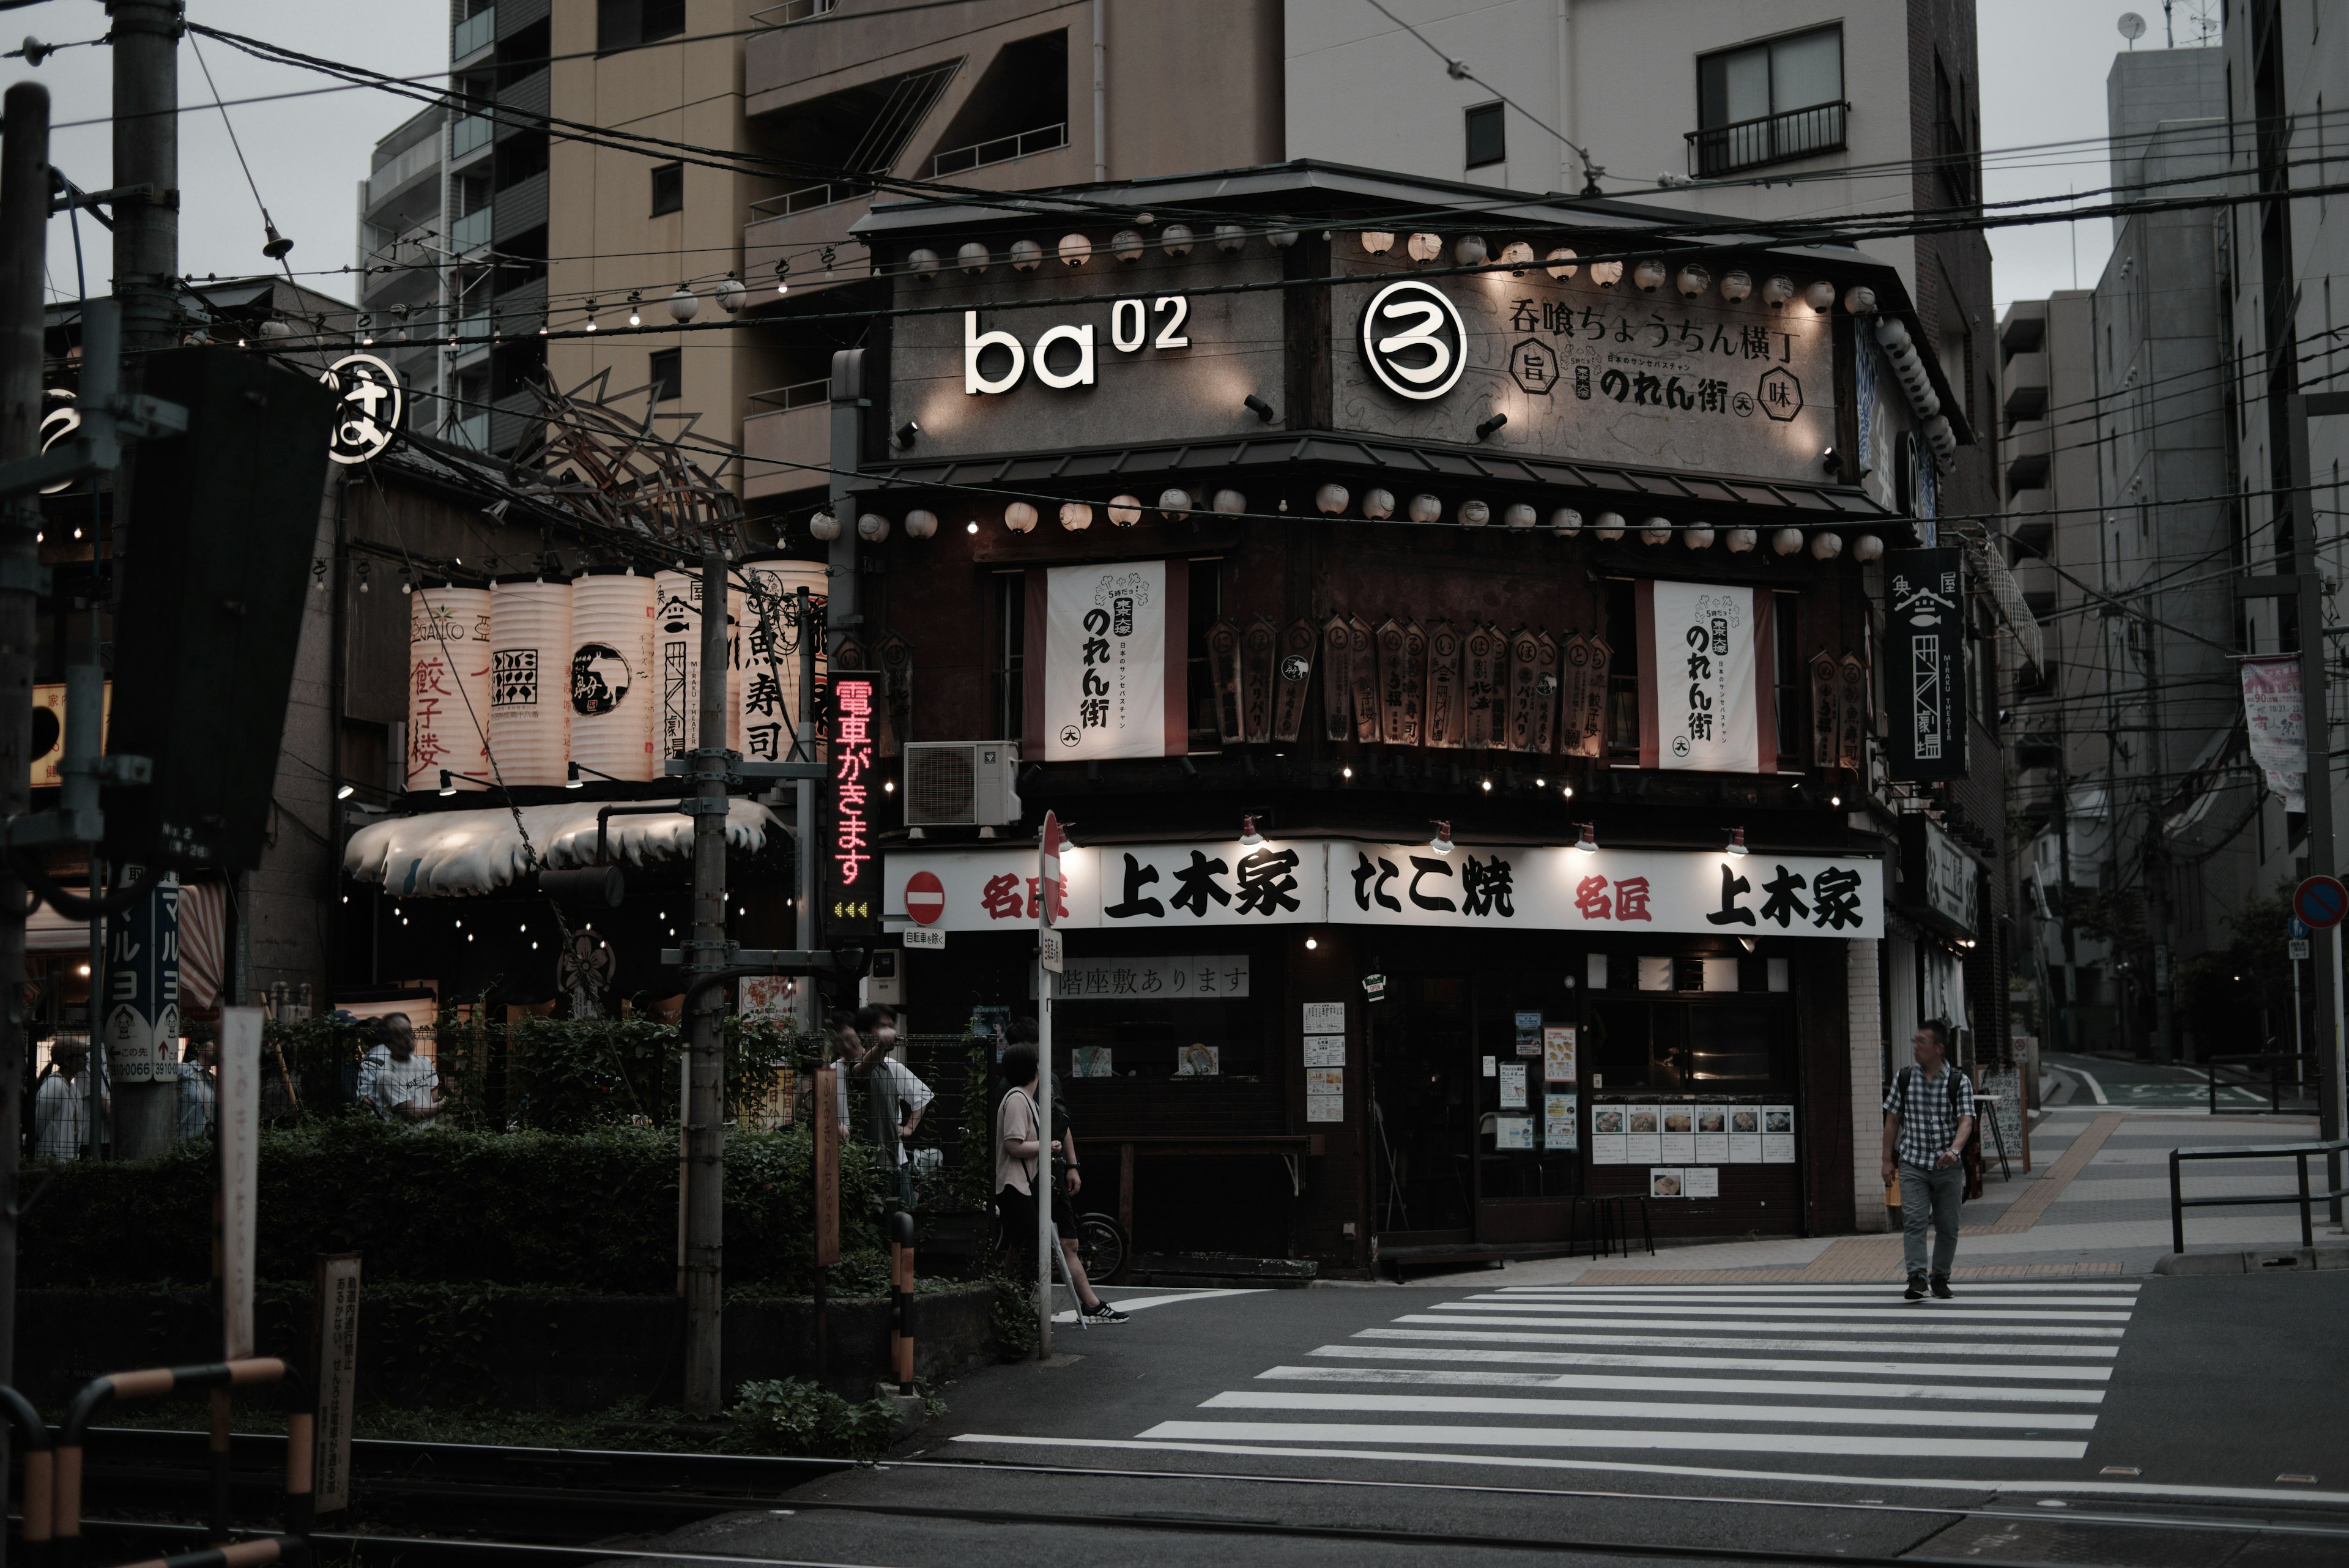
(782, 275)
(635, 297)
(591, 316)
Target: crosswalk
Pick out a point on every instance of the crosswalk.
(2007, 1373)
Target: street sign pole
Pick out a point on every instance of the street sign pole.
(1048, 965)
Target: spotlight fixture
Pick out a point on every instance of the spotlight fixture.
(1311, 942)
(1834, 800)
(904, 435)
(1541, 784)
(447, 787)
(1485, 784)
(1736, 845)
(1257, 407)
(1347, 771)
(1588, 842)
(1831, 463)
(571, 779)
(1250, 837)
(971, 526)
(1568, 793)
(347, 791)
(889, 786)
(1442, 842)
(1487, 427)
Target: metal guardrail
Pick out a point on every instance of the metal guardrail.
(2179, 1203)
(807, 198)
(1767, 139)
(2302, 1085)
(798, 395)
(1002, 149)
(792, 11)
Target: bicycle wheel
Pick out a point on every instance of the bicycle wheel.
(1101, 1247)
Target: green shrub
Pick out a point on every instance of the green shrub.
(790, 1416)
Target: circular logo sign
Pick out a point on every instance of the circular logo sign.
(370, 414)
(1294, 668)
(599, 679)
(1412, 340)
(925, 897)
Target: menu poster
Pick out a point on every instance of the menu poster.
(1664, 1181)
(1557, 1053)
(1778, 1135)
(1607, 1148)
(1513, 1086)
(1678, 1140)
(1712, 1147)
(1744, 1135)
(1712, 1118)
(1325, 1050)
(1529, 1033)
(1325, 1017)
(1700, 1182)
(1560, 1126)
(1643, 1128)
(1325, 1094)
(1678, 1146)
(1513, 1132)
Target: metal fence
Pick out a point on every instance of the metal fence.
(1768, 139)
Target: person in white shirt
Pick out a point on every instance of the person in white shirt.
(197, 1096)
(394, 1081)
(61, 1108)
(864, 1044)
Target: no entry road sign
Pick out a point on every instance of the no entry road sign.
(2320, 901)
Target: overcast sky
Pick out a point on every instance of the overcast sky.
(2043, 64)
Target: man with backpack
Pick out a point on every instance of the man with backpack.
(1929, 1120)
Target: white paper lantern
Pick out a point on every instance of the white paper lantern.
(1607, 273)
(1860, 300)
(1174, 501)
(1648, 276)
(448, 686)
(1076, 517)
(1736, 285)
(1609, 526)
(1825, 547)
(1561, 262)
(1331, 499)
(1469, 250)
(1868, 547)
(1174, 239)
(1777, 289)
(1378, 505)
(922, 261)
(1378, 242)
(1229, 238)
(1741, 540)
(1026, 256)
(1519, 254)
(614, 689)
(1125, 511)
(1475, 514)
(1786, 540)
(1694, 281)
(1019, 517)
(530, 654)
(1520, 516)
(1425, 509)
(872, 527)
(1566, 520)
(676, 657)
(773, 642)
(683, 305)
(1075, 250)
(1423, 247)
(823, 527)
(1230, 501)
(1126, 245)
(972, 258)
(1820, 297)
(1655, 531)
(921, 524)
(1697, 535)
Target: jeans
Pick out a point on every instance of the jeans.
(1932, 1198)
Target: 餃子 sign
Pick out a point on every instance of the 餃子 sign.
(1103, 680)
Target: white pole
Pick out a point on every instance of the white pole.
(1042, 1183)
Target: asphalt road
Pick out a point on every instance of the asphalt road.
(2123, 1084)
(2158, 1422)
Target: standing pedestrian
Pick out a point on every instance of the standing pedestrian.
(1929, 1114)
(395, 1083)
(199, 1092)
(1067, 1180)
(864, 1042)
(61, 1104)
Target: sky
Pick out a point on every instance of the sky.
(2043, 66)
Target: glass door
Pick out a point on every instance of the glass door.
(1529, 1124)
(1422, 1111)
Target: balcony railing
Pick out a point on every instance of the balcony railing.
(1002, 150)
(473, 431)
(798, 395)
(1772, 138)
(808, 197)
(475, 33)
(792, 11)
(471, 232)
(472, 131)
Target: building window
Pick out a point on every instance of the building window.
(1487, 136)
(625, 24)
(1622, 634)
(1769, 102)
(1009, 654)
(1207, 607)
(668, 374)
(668, 187)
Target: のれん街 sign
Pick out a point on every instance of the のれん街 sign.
(1311, 882)
(1106, 684)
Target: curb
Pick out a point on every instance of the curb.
(2299, 1261)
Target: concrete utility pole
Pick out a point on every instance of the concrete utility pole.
(705, 1097)
(24, 225)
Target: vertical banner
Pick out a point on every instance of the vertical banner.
(1337, 681)
(2277, 721)
(239, 1135)
(142, 986)
(1707, 701)
(1295, 673)
(1925, 662)
(447, 686)
(1255, 680)
(1111, 675)
(851, 902)
(1223, 669)
(1443, 690)
(334, 1372)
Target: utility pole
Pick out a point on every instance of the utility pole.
(23, 228)
(145, 38)
(705, 1131)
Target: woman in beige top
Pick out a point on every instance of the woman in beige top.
(1018, 1153)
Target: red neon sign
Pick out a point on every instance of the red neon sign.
(852, 758)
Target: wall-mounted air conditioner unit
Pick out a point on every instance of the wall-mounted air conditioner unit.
(962, 783)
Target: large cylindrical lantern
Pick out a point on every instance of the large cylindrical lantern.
(529, 658)
(676, 665)
(615, 698)
(773, 643)
(447, 686)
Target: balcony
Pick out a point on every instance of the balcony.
(1771, 139)
(2025, 380)
(2027, 454)
(402, 171)
(471, 35)
(473, 431)
(792, 11)
(787, 441)
(469, 135)
(471, 232)
(1002, 150)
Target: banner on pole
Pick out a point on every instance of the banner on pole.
(2277, 721)
(1107, 677)
(239, 1135)
(1707, 700)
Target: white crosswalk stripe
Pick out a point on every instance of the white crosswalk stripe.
(2017, 1372)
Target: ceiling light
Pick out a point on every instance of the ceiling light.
(1568, 792)
(1250, 837)
(447, 787)
(1588, 842)
(1736, 845)
(1485, 784)
(1347, 771)
(971, 526)
(635, 297)
(1834, 800)
(347, 791)
(782, 277)
(1442, 842)
(1541, 784)
(889, 786)
(1310, 943)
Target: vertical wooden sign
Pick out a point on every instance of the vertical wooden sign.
(1391, 662)
(1415, 684)
(1574, 683)
(1596, 697)
(1361, 653)
(1851, 728)
(1255, 680)
(1443, 684)
(1525, 660)
(1545, 692)
(1484, 691)
(334, 1378)
(1224, 665)
(1827, 709)
(1291, 679)
(1336, 680)
(823, 1118)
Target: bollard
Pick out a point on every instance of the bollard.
(901, 1300)
(33, 1435)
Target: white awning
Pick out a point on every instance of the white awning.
(443, 853)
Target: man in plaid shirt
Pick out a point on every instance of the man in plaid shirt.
(1929, 1114)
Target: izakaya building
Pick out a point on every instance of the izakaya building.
(1500, 668)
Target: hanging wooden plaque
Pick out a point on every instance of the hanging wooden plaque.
(1363, 659)
(1255, 680)
(1443, 693)
(1546, 685)
(1337, 681)
(1596, 697)
(1826, 709)
(1484, 691)
(1292, 679)
(1223, 662)
(1852, 727)
(1391, 660)
(1525, 668)
(1415, 684)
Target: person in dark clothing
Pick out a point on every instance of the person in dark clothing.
(1020, 1157)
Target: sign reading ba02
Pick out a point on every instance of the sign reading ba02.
(1130, 331)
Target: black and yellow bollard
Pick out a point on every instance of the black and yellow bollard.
(901, 1300)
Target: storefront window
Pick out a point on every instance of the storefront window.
(1010, 646)
(1692, 1046)
(1207, 608)
(1622, 633)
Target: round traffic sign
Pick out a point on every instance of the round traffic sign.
(925, 897)
(2320, 901)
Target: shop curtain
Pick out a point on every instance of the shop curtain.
(1707, 702)
(1107, 662)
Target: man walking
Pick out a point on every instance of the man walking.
(1929, 1114)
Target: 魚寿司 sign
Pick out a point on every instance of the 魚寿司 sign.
(1312, 882)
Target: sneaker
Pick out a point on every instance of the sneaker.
(1941, 1291)
(1101, 1312)
(1916, 1291)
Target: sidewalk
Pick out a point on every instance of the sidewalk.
(2095, 1205)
